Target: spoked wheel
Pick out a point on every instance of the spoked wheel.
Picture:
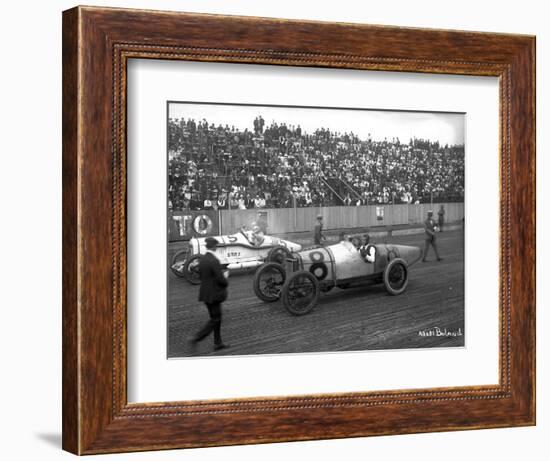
(268, 281)
(278, 255)
(396, 276)
(178, 262)
(191, 270)
(300, 293)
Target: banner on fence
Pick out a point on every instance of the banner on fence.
(185, 225)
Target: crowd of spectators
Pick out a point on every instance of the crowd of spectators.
(279, 165)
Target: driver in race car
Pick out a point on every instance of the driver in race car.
(367, 251)
(255, 236)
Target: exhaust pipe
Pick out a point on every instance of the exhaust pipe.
(244, 265)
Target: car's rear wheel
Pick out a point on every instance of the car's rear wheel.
(278, 254)
(300, 292)
(191, 270)
(178, 262)
(396, 276)
(268, 281)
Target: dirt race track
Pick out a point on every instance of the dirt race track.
(344, 320)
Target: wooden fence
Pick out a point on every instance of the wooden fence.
(288, 220)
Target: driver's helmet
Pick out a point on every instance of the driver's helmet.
(356, 241)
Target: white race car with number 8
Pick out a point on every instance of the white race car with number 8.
(299, 281)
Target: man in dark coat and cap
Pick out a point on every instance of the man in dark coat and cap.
(213, 292)
(429, 230)
(318, 236)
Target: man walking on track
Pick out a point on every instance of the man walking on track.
(318, 236)
(429, 229)
(213, 292)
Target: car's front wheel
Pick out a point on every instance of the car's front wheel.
(396, 276)
(191, 270)
(300, 292)
(268, 281)
(178, 262)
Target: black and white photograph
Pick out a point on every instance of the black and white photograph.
(298, 229)
(250, 230)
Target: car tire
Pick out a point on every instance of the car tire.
(300, 286)
(179, 257)
(272, 294)
(278, 254)
(191, 270)
(396, 276)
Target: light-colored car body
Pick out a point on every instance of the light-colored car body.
(243, 249)
(344, 262)
(305, 274)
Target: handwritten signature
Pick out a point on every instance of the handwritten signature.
(436, 331)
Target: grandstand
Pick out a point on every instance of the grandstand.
(221, 167)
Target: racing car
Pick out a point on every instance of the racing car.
(305, 274)
(242, 250)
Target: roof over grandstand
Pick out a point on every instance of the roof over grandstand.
(445, 127)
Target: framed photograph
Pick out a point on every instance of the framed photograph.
(281, 230)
